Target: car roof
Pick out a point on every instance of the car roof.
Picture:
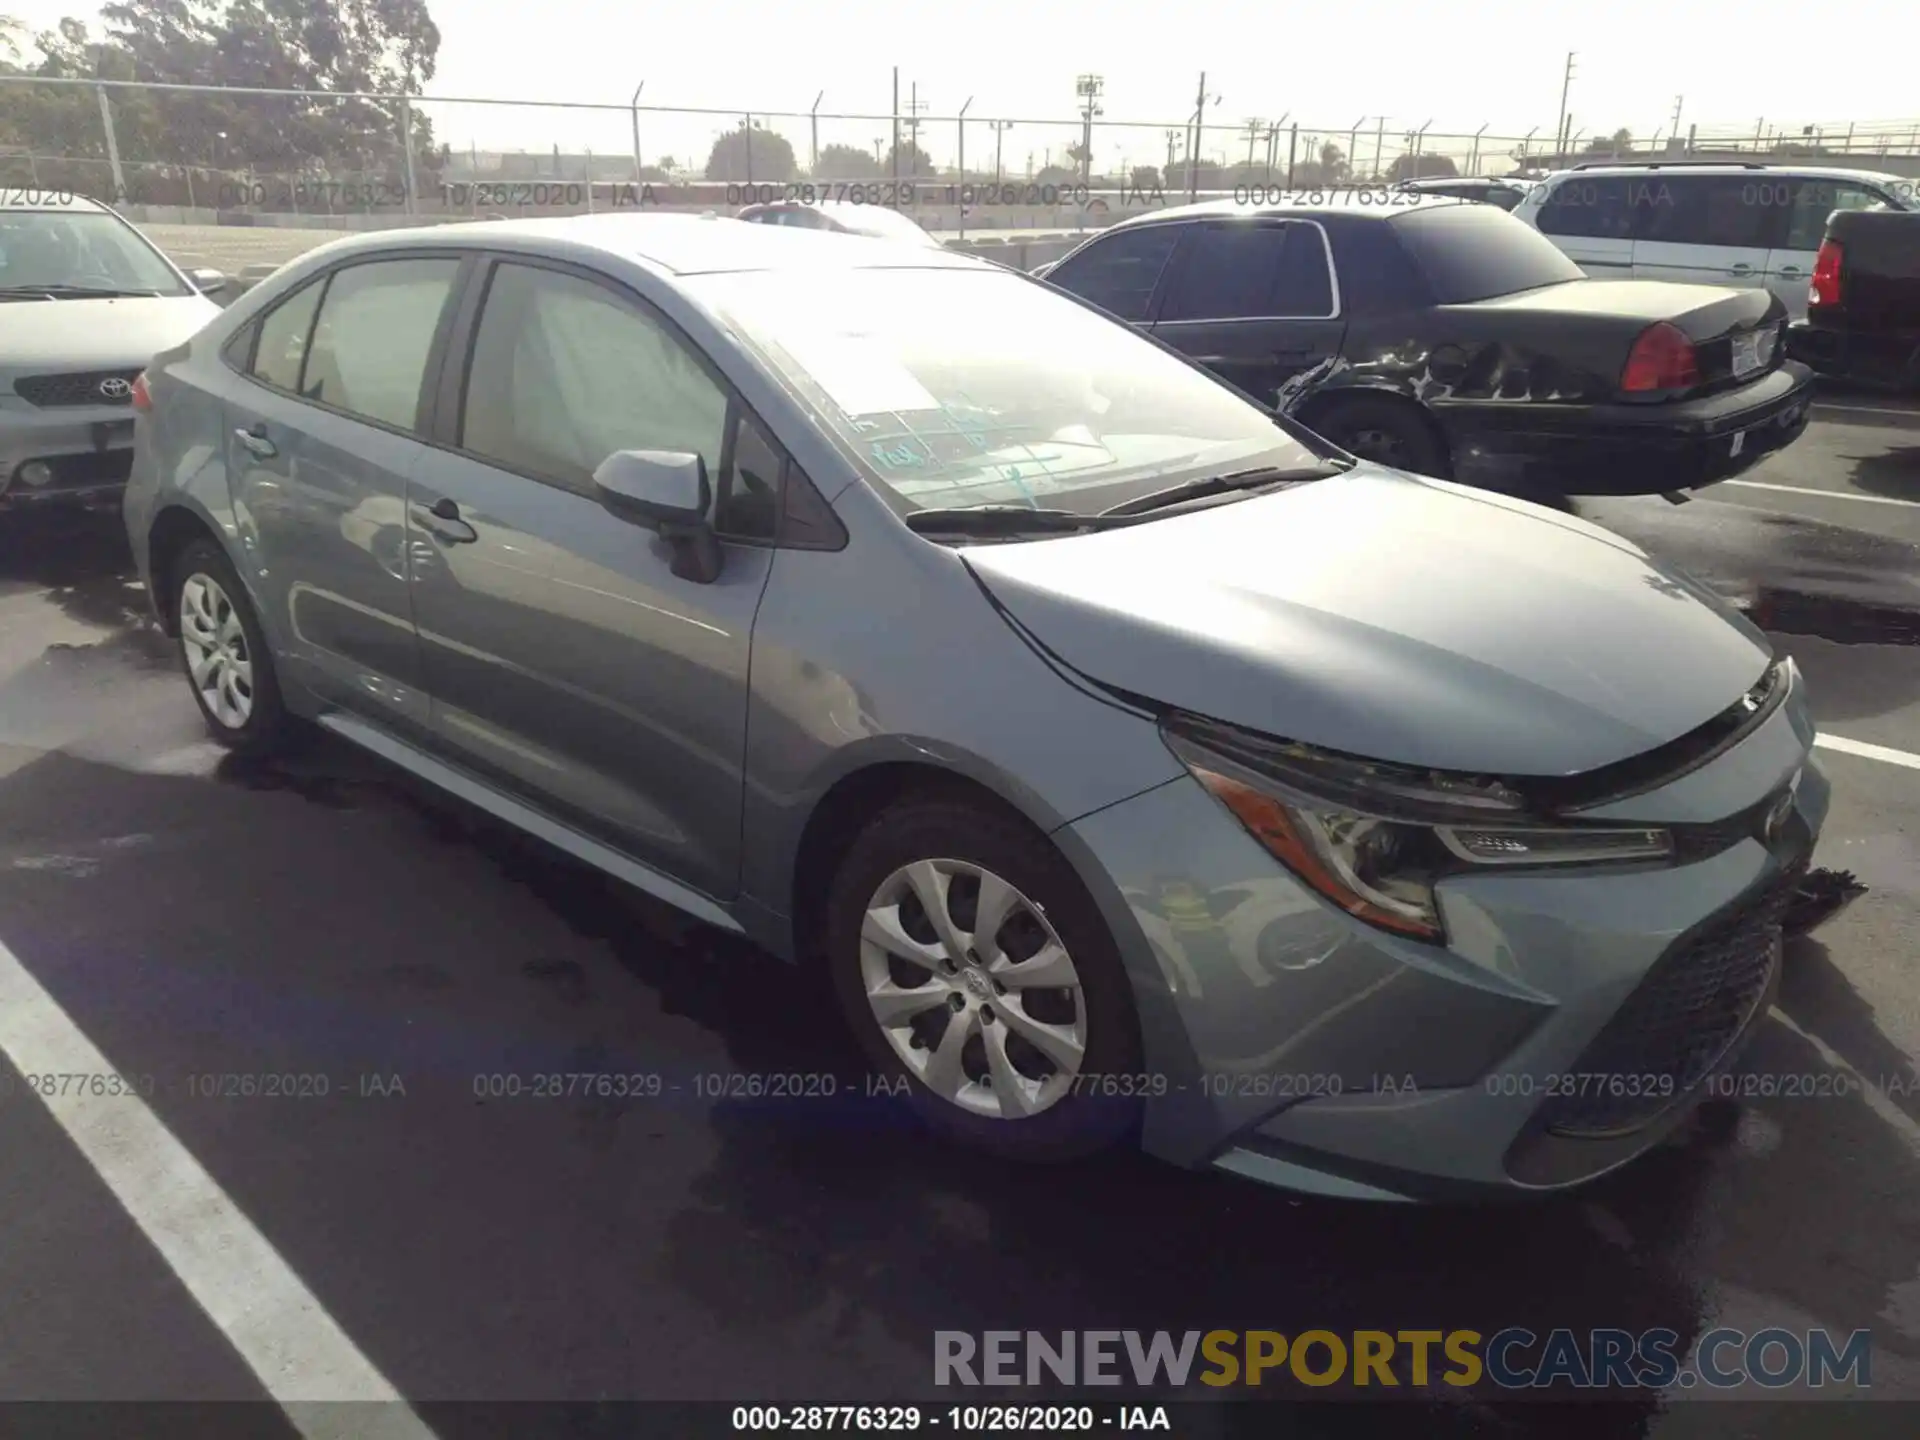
(1660, 167)
(677, 244)
(1300, 202)
(57, 201)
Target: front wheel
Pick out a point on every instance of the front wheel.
(972, 964)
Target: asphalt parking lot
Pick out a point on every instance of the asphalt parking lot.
(321, 918)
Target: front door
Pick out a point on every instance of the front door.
(321, 437)
(564, 657)
(1252, 300)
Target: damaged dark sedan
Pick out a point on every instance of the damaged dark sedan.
(1447, 338)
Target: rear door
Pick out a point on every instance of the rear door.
(565, 658)
(320, 439)
(1255, 301)
(1807, 202)
(1703, 229)
(1589, 219)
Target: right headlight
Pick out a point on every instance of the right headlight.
(1375, 839)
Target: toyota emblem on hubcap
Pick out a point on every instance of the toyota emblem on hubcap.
(114, 388)
(978, 983)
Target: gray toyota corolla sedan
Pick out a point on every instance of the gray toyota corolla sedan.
(1128, 762)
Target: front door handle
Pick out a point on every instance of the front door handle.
(1743, 269)
(442, 518)
(257, 442)
(1792, 272)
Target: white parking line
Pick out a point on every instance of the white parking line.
(1820, 405)
(1823, 494)
(1903, 758)
(287, 1338)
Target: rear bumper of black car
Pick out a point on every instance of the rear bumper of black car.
(1890, 359)
(1627, 449)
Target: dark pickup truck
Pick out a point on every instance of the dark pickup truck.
(1863, 310)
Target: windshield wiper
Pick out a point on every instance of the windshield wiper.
(991, 520)
(1224, 484)
(75, 292)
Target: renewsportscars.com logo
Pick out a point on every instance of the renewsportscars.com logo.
(1514, 1358)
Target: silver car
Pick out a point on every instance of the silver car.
(1129, 762)
(85, 301)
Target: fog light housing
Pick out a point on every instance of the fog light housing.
(35, 473)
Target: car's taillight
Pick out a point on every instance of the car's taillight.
(142, 400)
(1825, 289)
(1661, 359)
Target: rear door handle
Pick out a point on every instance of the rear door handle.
(1743, 269)
(1792, 272)
(257, 442)
(442, 518)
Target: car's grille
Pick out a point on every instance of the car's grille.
(1678, 1024)
(80, 388)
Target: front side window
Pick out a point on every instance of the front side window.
(80, 250)
(370, 345)
(1118, 272)
(1812, 201)
(973, 386)
(565, 372)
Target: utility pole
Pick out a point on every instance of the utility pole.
(813, 140)
(1253, 134)
(1566, 82)
(1167, 173)
(1193, 150)
(914, 106)
(1000, 128)
(1089, 88)
(895, 156)
(1678, 101)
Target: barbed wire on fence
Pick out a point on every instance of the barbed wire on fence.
(346, 152)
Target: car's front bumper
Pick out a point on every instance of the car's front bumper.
(1290, 1043)
(1627, 449)
(85, 452)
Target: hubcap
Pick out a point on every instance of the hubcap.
(217, 656)
(973, 989)
(1375, 445)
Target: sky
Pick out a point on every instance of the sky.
(1397, 64)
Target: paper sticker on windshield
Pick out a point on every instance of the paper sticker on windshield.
(860, 379)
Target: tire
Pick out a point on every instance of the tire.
(1077, 1109)
(245, 713)
(1387, 432)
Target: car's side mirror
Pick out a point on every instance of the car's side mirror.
(208, 281)
(666, 491)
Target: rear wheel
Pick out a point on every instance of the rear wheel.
(228, 665)
(1387, 432)
(973, 966)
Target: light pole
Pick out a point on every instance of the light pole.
(633, 108)
(1566, 81)
(813, 141)
(1089, 88)
(1000, 128)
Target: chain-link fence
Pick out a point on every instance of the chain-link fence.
(363, 158)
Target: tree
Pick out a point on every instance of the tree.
(1618, 142)
(846, 162)
(752, 152)
(1144, 177)
(381, 46)
(1420, 167)
(912, 161)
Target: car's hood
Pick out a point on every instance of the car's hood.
(1394, 618)
(54, 336)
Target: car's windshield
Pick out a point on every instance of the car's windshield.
(964, 387)
(83, 249)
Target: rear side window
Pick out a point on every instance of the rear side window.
(1588, 209)
(1118, 272)
(376, 327)
(1811, 201)
(1250, 271)
(284, 332)
(1702, 210)
(1474, 252)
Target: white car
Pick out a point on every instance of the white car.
(1741, 224)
